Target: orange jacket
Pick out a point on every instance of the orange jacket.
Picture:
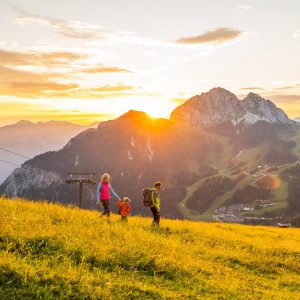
(125, 208)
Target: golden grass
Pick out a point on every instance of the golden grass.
(48, 251)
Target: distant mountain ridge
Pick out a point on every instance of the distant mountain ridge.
(29, 139)
(48, 123)
(215, 150)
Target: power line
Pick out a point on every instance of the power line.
(8, 162)
(15, 153)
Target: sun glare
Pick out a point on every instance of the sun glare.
(155, 108)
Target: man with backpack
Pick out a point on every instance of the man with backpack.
(151, 199)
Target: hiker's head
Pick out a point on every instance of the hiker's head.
(158, 185)
(126, 200)
(105, 178)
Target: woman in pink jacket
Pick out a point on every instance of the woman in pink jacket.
(103, 193)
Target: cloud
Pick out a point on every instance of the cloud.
(36, 58)
(251, 88)
(102, 92)
(42, 86)
(285, 98)
(8, 75)
(67, 29)
(82, 93)
(20, 83)
(105, 69)
(213, 36)
(54, 59)
(114, 88)
(25, 84)
(34, 90)
(29, 89)
(16, 81)
(296, 86)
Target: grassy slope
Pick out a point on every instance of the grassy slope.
(219, 164)
(281, 194)
(54, 252)
(248, 157)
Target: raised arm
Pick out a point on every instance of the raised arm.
(114, 193)
(98, 192)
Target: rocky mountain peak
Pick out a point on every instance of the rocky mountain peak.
(264, 110)
(220, 98)
(219, 91)
(254, 95)
(138, 119)
(135, 114)
(208, 109)
(255, 100)
(220, 105)
(133, 117)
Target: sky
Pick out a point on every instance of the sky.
(93, 60)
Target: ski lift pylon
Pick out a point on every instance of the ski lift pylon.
(81, 178)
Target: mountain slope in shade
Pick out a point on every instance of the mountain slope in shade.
(220, 106)
(30, 139)
(203, 168)
(135, 149)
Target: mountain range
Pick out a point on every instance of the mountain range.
(30, 139)
(218, 157)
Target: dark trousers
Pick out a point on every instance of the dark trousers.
(156, 216)
(105, 204)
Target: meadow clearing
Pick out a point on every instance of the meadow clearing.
(50, 251)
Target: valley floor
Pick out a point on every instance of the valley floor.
(49, 251)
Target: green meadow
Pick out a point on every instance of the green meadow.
(50, 251)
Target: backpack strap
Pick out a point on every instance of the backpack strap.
(152, 196)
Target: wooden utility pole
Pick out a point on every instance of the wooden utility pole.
(81, 178)
(80, 193)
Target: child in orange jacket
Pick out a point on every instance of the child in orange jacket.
(124, 208)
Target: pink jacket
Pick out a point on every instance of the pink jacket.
(104, 190)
